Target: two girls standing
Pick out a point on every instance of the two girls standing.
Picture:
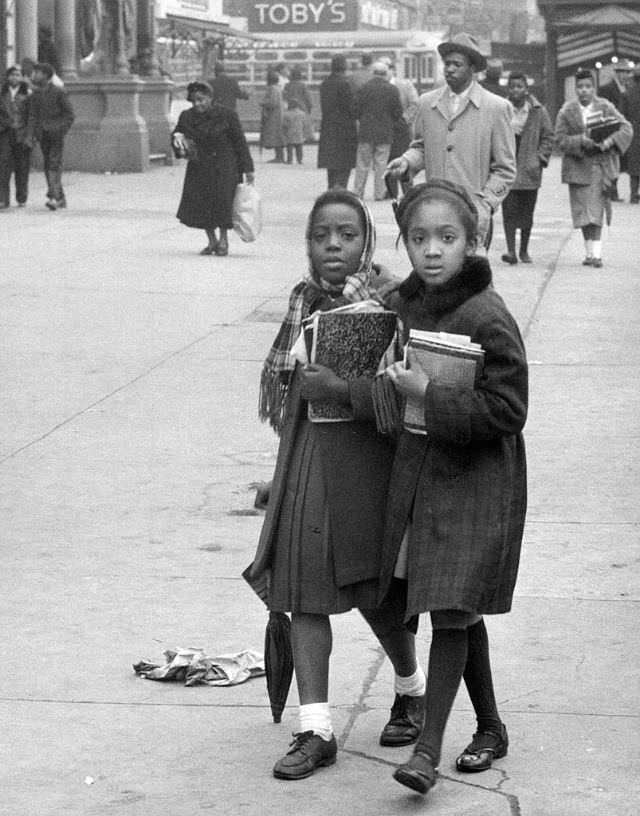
(449, 539)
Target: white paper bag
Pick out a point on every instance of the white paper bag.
(247, 212)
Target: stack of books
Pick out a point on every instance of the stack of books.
(351, 341)
(447, 359)
(599, 126)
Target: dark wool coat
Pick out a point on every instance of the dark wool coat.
(52, 110)
(464, 484)
(357, 465)
(377, 108)
(211, 178)
(338, 127)
(534, 148)
(16, 113)
(271, 124)
(631, 109)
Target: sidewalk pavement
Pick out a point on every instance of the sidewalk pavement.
(130, 369)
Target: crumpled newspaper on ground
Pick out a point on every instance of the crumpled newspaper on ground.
(193, 667)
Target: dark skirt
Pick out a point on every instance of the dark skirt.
(518, 207)
(302, 572)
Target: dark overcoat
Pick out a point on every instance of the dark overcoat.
(357, 465)
(631, 109)
(271, 124)
(534, 146)
(463, 486)
(377, 108)
(338, 127)
(211, 178)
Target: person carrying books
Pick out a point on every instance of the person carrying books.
(591, 134)
(321, 539)
(457, 496)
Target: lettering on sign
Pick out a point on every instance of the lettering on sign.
(303, 15)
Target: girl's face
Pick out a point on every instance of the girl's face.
(436, 241)
(585, 91)
(201, 101)
(337, 241)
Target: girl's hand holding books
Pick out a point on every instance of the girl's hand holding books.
(320, 383)
(410, 381)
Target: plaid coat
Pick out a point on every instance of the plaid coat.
(463, 485)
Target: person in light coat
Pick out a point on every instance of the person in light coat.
(463, 133)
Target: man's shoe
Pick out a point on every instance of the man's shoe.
(405, 723)
(308, 751)
(51, 203)
(588, 261)
(482, 750)
(525, 257)
(509, 258)
(419, 773)
(597, 263)
(62, 203)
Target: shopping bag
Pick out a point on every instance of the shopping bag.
(246, 215)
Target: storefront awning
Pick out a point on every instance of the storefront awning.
(206, 27)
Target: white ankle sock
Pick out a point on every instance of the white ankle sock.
(415, 685)
(588, 248)
(316, 717)
(597, 249)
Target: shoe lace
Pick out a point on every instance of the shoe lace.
(299, 740)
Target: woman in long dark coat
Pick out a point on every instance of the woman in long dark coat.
(211, 138)
(338, 128)
(631, 109)
(271, 134)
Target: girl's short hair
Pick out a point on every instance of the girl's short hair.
(517, 75)
(584, 73)
(337, 196)
(439, 190)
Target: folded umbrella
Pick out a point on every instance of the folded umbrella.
(278, 655)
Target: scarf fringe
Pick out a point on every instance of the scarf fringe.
(272, 400)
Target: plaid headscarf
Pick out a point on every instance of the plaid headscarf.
(279, 365)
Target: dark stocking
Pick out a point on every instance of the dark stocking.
(478, 679)
(447, 659)
(510, 235)
(525, 234)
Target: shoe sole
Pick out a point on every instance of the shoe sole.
(410, 779)
(397, 743)
(468, 769)
(323, 763)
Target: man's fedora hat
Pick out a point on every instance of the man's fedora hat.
(464, 44)
(622, 65)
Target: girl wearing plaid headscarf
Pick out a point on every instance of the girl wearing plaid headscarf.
(320, 543)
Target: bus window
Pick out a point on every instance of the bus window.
(320, 70)
(266, 56)
(295, 56)
(321, 55)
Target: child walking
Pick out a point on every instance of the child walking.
(322, 536)
(457, 497)
(293, 124)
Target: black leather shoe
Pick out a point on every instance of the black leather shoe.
(482, 750)
(405, 723)
(509, 258)
(223, 247)
(597, 263)
(419, 773)
(588, 261)
(308, 751)
(525, 257)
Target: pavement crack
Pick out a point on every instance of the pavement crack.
(551, 269)
(360, 706)
(106, 397)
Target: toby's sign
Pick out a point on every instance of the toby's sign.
(303, 15)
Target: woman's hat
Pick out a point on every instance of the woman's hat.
(464, 44)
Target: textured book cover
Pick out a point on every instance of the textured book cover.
(351, 344)
(446, 361)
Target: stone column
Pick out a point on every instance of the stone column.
(66, 37)
(146, 39)
(27, 29)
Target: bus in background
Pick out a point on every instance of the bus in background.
(414, 54)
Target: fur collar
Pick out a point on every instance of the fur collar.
(474, 276)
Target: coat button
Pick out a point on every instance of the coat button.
(451, 128)
(449, 148)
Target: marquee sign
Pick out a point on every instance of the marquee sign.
(303, 15)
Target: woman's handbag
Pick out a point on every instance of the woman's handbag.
(246, 215)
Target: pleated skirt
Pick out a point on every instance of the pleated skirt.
(302, 571)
